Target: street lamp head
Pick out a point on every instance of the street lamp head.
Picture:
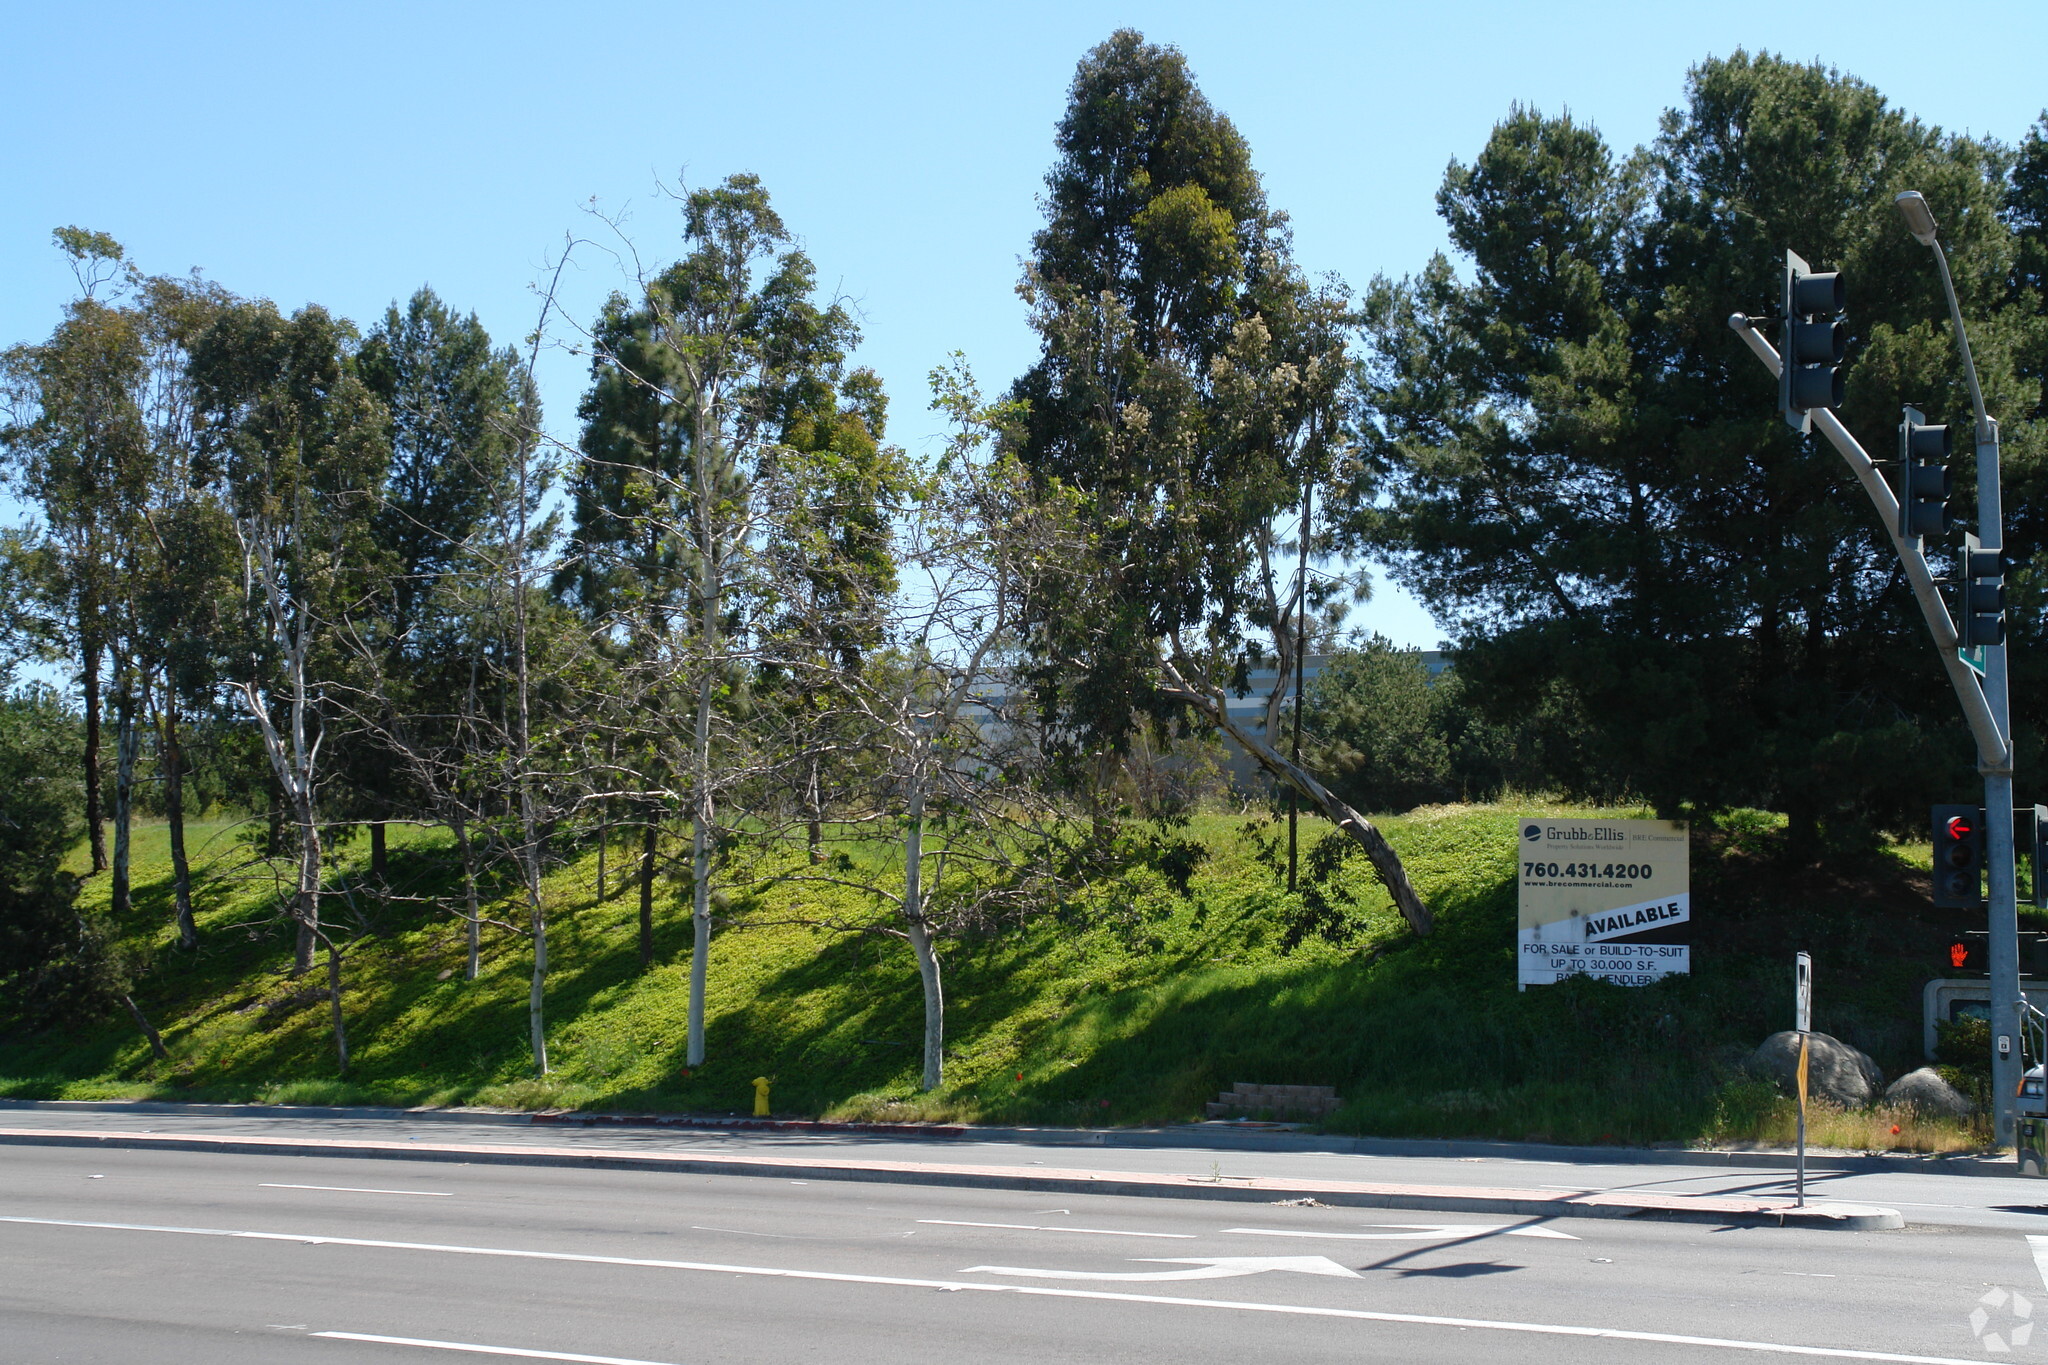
(1919, 218)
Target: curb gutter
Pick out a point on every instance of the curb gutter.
(1720, 1210)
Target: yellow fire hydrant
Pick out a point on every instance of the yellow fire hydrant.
(761, 1097)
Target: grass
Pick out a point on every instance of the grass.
(1134, 1003)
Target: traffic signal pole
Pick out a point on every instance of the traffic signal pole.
(1985, 705)
(1985, 728)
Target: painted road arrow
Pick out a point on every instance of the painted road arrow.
(1203, 1268)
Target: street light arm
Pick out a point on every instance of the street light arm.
(1994, 755)
(1985, 432)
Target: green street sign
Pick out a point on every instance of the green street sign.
(1973, 658)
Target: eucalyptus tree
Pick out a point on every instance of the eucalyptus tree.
(1190, 388)
(185, 551)
(299, 441)
(1593, 486)
(694, 385)
(78, 452)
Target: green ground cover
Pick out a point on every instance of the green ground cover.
(1136, 1003)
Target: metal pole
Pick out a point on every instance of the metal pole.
(1802, 1021)
(2003, 920)
(1308, 493)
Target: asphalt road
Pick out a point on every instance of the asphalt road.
(132, 1256)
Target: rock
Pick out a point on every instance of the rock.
(1925, 1091)
(1834, 1070)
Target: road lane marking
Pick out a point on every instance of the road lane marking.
(1205, 1268)
(475, 1349)
(1038, 1291)
(1032, 1227)
(1416, 1232)
(2039, 1246)
(351, 1189)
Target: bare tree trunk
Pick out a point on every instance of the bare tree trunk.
(173, 760)
(522, 748)
(649, 832)
(124, 791)
(380, 861)
(815, 827)
(921, 938)
(700, 871)
(1385, 862)
(156, 1042)
(95, 819)
(701, 810)
(334, 1004)
(472, 937)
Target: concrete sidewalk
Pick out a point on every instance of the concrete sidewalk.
(1224, 1136)
(1716, 1209)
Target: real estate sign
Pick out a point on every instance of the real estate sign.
(1601, 897)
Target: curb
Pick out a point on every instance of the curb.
(1718, 1210)
(1221, 1136)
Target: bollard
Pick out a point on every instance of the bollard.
(761, 1097)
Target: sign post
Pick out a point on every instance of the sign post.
(1604, 898)
(1802, 1021)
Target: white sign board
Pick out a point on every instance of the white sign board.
(1601, 897)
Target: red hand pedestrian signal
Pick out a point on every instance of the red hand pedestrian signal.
(1958, 954)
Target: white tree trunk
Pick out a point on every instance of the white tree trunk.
(919, 929)
(701, 813)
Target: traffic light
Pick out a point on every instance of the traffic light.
(1983, 598)
(1925, 481)
(1958, 856)
(1813, 339)
(1965, 953)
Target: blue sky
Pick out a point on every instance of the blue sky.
(348, 154)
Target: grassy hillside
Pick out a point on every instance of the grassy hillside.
(1135, 1004)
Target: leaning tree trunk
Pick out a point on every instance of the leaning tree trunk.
(1385, 862)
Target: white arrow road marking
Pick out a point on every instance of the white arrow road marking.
(1043, 1291)
(1205, 1268)
(1415, 1232)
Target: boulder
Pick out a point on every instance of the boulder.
(1924, 1090)
(1834, 1070)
